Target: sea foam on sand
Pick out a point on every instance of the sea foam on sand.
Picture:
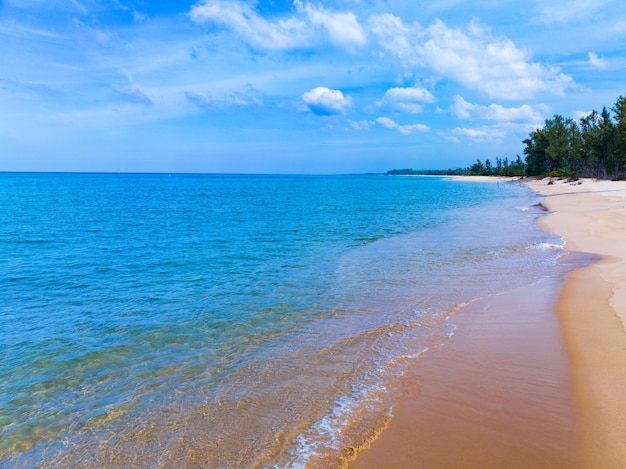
(535, 377)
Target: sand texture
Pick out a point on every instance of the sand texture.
(496, 396)
(592, 218)
(534, 378)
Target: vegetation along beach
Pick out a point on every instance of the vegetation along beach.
(561, 406)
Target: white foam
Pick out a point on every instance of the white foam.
(548, 246)
(326, 432)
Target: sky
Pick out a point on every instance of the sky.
(295, 86)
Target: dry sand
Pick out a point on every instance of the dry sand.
(592, 218)
(519, 386)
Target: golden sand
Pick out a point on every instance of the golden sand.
(520, 386)
(592, 218)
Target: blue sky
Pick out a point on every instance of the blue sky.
(285, 86)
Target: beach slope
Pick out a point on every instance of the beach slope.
(535, 377)
(591, 215)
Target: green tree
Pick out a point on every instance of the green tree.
(555, 147)
(535, 153)
(563, 150)
(590, 138)
(619, 157)
(595, 146)
(499, 166)
(477, 169)
(598, 140)
(488, 168)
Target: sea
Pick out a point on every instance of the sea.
(236, 321)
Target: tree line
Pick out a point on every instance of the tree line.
(593, 147)
(502, 167)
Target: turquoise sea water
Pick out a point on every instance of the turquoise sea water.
(235, 321)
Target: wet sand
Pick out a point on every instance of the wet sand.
(497, 395)
(592, 218)
(533, 378)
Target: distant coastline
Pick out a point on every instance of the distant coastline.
(426, 172)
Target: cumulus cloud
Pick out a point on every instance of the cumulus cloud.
(394, 35)
(360, 125)
(412, 128)
(473, 58)
(292, 32)
(496, 112)
(326, 102)
(578, 115)
(597, 62)
(409, 100)
(482, 134)
(403, 129)
(343, 28)
(386, 122)
(492, 65)
(245, 22)
(496, 133)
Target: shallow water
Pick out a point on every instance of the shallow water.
(221, 321)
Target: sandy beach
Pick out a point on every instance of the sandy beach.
(592, 310)
(535, 377)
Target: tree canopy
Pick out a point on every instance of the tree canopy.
(594, 147)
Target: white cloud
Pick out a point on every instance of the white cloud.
(292, 32)
(473, 58)
(245, 22)
(360, 125)
(496, 112)
(409, 100)
(409, 129)
(245, 101)
(494, 66)
(597, 62)
(577, 115)
(343, 28)
(326, 102)
(386, 122)
(394, 35)
(483, 134)
(403, 129)
(497, 133)
(451, 138)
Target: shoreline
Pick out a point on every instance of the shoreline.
(482, 401)
(592, 310)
